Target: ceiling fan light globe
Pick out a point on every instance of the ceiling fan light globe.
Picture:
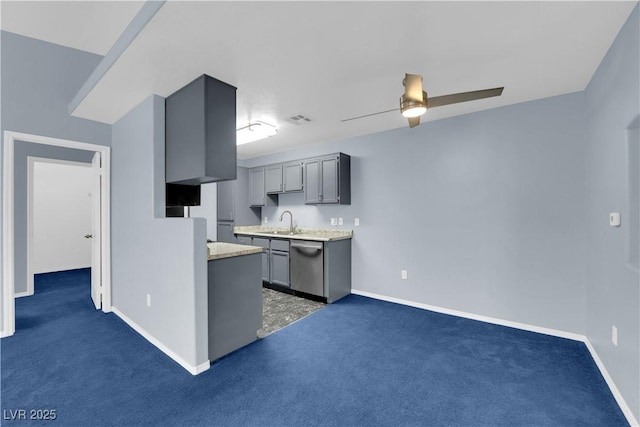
(412, 107)
(414, 111)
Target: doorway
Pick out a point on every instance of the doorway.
(59, 217)
(101, 209)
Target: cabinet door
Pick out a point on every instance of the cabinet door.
(225, 232)
(280, 268)
(293, 177)
(273, 178)
(329, 180)
(225, 201)
(312, 181)
(244, 240)
(264, 243)
(256, 187)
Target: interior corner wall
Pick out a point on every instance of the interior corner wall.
(163, 258)
(613, 285)
(38, 80)
(485, 211)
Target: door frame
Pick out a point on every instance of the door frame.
(31, 161)
(8, 244)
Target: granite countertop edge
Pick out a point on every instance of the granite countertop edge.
(220, 250)
(321, 235)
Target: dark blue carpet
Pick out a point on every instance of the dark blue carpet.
(358, 362)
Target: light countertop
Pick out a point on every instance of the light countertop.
(320, 235)
(218, 250)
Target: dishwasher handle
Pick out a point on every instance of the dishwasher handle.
(307, 245)
(307, 248)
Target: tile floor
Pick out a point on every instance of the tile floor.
(280, 310)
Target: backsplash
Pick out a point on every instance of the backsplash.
(308, 216)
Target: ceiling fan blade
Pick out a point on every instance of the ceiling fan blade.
(413, 121)
(454, 98)
(367, 115)
(413, 87)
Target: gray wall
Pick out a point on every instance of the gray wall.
(163, 257)
(613, 286)
(38, 81)
(485, 211)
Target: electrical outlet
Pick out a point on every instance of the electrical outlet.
(148, 300)
(334, 221)
(266, 219)
(340, 221)
(356, 222)
(403, 274)
(614, 335)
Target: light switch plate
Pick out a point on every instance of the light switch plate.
(356, 222)
(266, 220)
(614, 219)
(340, 221)
(334, 221)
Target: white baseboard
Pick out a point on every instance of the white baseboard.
(194, 370)
(612, 386)
(486, 319)
(547, 331)
(22, 294)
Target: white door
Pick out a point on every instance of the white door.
(96, 241)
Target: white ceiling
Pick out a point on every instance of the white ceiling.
(332, 60)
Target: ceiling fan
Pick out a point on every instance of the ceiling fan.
(415, 102)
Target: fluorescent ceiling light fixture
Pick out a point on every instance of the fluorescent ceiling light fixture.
(255, 131)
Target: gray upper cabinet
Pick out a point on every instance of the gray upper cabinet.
(312, 179)
(233, 201)
(273, 176)
(284, 178)
(200, 133)
(328, 180)
(225, 201)
(292, 173)
(257, 193)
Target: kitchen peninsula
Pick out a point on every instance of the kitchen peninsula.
(235, 296)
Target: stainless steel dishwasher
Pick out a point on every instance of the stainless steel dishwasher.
(307, 267)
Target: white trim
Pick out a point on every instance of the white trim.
(8, 258)
(22, 294)
(193, 370)
(547, 331)
(612, 386)
(486, 319)
(31, 161)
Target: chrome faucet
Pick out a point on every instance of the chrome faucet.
(292, 229)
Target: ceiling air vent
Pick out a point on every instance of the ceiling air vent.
(299, 119)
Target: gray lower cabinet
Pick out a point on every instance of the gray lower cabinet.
(279, 254)
(329, 264)
(225, 232)
(235, 303)
(243, 240)
(266, 267)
